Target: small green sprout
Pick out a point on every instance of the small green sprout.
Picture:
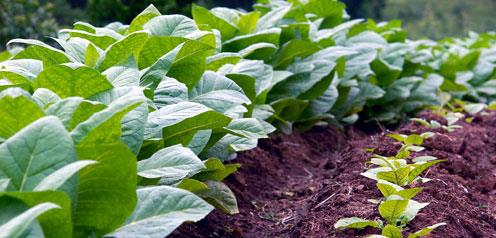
(433, 124)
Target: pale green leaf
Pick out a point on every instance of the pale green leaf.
(391, 231)
(170, 25)
(18, 225)
(37, 150)
(392, 210)
(426, 231)
(171, 163)
(161, 210)
(217, 92)
(356, 223)
(219, 195)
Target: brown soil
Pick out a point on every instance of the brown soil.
(300, 185)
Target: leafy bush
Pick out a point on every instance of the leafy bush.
(145, 115)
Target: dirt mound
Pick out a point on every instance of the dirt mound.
(300, 185)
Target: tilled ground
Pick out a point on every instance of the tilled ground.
(300, 185)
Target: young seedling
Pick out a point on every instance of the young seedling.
(411, 143)
(397, 210)
(397, 207)
(433, 124)
(399, 171)
(449, 110)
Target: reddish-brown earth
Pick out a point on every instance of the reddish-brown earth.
(300, 185)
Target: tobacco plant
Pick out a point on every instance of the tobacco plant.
(395, 176)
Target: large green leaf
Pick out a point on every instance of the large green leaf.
(133, 123)
(37, 150)
(58, 178)
(102, 39)
(216, 61)
(215, 170)
(170, 25)
(293, 49)
(190, 62)
(170, 91)
(45, 98)
(239, 43)
(219, 195)
(179, 122)
(138, 22)
(227, 146)
(56, 222)
(105, 125)
(203, 16)
(123, 75)
(107, 190)
(247, 127)
(185, 63)
(15, 76)
(40, 51)
(248, 22)
(253, 76)
(72, 79)
(171, 164)
(330, 10)
(272, 18)
(217, 92)
(156, 47)
(312, 74)
(18, 225)
(121, 50)
(260, 51)
(74, 110)
(161, 210)
(17, 110)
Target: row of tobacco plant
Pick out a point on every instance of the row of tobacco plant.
(399, 181)
(124, 130)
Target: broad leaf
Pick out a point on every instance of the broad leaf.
(219, 195)
(18, 225)
(171, 164)
(55, 222)
(217, 92)
(37, 150)
(121, 50)
(17, 110)
(72, 80)
(170, 25)
(179, 122)
(160, 210)
(203, 16)
(138, 22)
(107, 190)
